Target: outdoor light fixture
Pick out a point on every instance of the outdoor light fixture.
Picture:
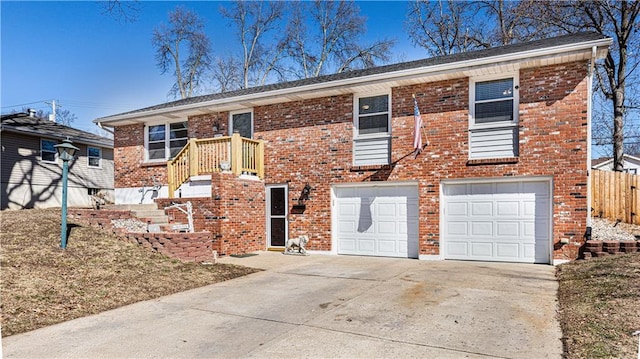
(66, 151)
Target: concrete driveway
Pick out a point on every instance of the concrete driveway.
(327, 306)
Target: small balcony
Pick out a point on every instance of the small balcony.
(205, 156)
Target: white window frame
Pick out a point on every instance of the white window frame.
(167, 139)
(371, 136)
(89, 157)
(239, 112)
(514, 75)
(356, 115)
(55, 153)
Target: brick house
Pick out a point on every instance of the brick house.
(503, 175)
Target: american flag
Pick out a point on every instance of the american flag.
(417, 134)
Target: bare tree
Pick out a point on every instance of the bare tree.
(183, 46)
(226, 73)
(443, 27)
(254, 20)
(122, 10)
(325, 37)
(616, 19)
(446, 27)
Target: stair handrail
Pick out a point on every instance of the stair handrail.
(188, 212)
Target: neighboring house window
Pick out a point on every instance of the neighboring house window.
(372, 136)
(493, 118)
(166, 140)
(633, 171)
(48, 150)
(94, 156)
(241, 122)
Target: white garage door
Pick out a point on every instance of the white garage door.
(500, 221)
(377, 221)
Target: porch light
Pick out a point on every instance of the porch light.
(66, 151)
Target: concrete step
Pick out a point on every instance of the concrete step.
(148, 213)
(132, 207)
(154, 219)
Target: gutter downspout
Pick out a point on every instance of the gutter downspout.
(111, 131)
(592, 64)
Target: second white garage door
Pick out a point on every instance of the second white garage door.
(376, 221)
(499, 221)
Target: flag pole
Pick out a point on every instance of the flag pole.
(426, 140)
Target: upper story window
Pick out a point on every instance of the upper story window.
(164, 141)
(373, 115)
(48, 150)
(94, 157)
(241, 122)
(493, 131)
(372, 140)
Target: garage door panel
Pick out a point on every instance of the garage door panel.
(481, 188)
(508, 187)
(387, 247)
(503, 221)
(457, 228)
(384, 219)
(481, 208)
(387, 227)
(507, 250)
(458, 249)
(508, 229)
(387, 210)
(366, 245)
(481, 249)
(482, 229)
(347, 244)
(457, 209)
(347, 227)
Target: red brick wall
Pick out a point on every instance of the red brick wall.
(235, 214)
(311, 142)
(128, 159)
(203, 126)
(241, 213)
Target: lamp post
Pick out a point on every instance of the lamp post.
(66, 151)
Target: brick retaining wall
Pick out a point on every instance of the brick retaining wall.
(597, 248)
(187, 247)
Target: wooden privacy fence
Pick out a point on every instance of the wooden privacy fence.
(615, 195)
(204, 156)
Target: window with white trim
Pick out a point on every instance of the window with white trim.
(241, 122)
(164, 141)
(493, 125)
(372, 137)
(94, 157)
(48, 150)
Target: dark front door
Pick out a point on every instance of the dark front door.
(277, 215)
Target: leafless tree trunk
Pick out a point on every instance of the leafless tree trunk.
(616, 19)
(185, 33)
(253, 20)
(326, 36)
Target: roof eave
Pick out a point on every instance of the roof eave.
(139, 117)
(75, 139)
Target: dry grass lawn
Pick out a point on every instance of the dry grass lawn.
(43, 284)
(600, 306)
